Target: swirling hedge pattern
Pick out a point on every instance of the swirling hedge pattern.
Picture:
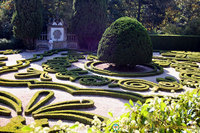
(33, 73)
(136, 84)
(183, 62)
(89, 80)
(91, 66)
(93, 80)
(170, 86)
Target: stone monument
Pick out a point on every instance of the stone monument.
(57, 32)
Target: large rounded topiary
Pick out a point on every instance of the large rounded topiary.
(125, 43)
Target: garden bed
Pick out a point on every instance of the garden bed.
(64, 72)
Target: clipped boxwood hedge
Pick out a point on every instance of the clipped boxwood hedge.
(12, 101)
(74, 115)
(66, 105)
(175, 42)
(32, 106)
(4, 111)
(156, 70)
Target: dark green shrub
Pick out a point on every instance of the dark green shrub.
(175, 42)
(27, 27)
(166, 79)
(11, 44)
(89, 22)
(125, 42)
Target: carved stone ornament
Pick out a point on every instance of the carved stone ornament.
(57, 34)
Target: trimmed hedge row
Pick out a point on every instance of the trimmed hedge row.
(71, 89)
(74, 115)
(163, 63)
(27, 75)
(54, 66)
(10, 51)
(91, 67)
(111, 93)
(137, 84)
(32, 106)
(93, 80)
(166, 79)
(74, 104)
(89, 80)
(33, 73)
(186, 64)
(169, 86)
(144, 85)
(71, 75)
(175, 42)
(11, 100)
(92, 57)
(2, 64)
(4, 58)
(4, 111)
(190, 82)
(45, 77)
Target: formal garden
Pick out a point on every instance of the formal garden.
(117, 66)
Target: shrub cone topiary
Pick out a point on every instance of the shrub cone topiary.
(125, 43)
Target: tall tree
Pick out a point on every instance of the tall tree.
(150, 12)
(6, 11)
(27, 21)
(182, 17)
(89, 22)
(116, 10)
(58, 8)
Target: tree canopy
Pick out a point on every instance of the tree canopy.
(89, 22)
(27, 21)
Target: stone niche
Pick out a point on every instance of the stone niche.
(58, 33)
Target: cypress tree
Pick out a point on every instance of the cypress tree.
(27, 21)
(89, 22)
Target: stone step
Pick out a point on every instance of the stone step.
(42, 46)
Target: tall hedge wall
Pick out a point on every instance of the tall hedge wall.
(175, 42)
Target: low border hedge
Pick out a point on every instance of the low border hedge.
(73, 104)
(74, 115)
(5, 111)
(91, 67)
(175, 42)
(32, 105)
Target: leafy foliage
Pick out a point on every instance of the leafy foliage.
(86, 25)
(125, 38)
(182, 17)
(27, 21)
(55, 9)
(6, 10)
(163, 115)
